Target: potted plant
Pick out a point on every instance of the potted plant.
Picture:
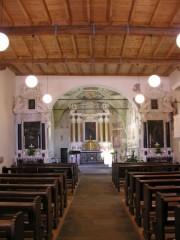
(31, 150)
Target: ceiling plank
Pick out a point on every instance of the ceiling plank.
(131, 12)
(174, 16)
(74, 45)
(8, 16)
(158, 46)
(25, 12)
(108, 11)
(141, 47)
(66, 66)
(107, 45)
(67, 9)
(91, 46)
(171, 50)
(154, 12)
(88, 10)
(47, 11)
(59, 46)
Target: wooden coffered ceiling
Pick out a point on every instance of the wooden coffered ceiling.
(91, 37)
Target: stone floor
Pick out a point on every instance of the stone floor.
(96, 210)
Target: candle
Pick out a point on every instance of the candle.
(24, 141)
(38, 141)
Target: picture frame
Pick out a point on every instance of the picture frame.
(31, 104)
(90, 131)
(155, 133)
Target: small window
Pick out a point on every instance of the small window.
(31, 104)
(154, 104)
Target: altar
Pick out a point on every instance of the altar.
(91, 157)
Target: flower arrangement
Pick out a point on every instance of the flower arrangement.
(31, 150)
(158, 148)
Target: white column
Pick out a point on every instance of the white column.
(106, 120)
(100, 120)
(79, 129)
(73, 120)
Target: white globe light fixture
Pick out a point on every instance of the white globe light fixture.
(4, 42)
(139, 98)
(154, 80)
(47, 98)
(31, 81)
(178, 40)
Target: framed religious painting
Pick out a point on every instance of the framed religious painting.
(90, 131)
(155, 133)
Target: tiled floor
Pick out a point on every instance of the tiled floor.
(96, 211)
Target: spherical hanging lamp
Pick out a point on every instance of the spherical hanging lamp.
(178, 40)
(4, 42)
(47, 98)
(139, 98)
(31, 81)
(154, 80)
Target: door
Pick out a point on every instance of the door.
(64, 155)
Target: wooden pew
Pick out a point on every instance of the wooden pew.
(68, 171)
(130, 181)
(119, 169)
(134, 184)
(46, 208)
(177, 222)
(71, 170)
(164, 204)
(148, 207)
(13, 229)
(161, 180)
(32, 209)
(35, 184)
(61, 178)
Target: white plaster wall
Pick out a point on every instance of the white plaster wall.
(175, 84)
(58, 85)
(7, 127)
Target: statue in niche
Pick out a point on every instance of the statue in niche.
(105, 107)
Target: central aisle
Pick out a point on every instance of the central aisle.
(96, 212)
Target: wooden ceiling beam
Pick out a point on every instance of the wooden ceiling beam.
(143, 61)
(87, 30)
